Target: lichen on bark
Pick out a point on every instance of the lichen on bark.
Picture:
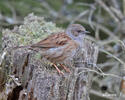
(33, 30)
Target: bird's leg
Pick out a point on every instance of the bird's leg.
(58, 70)
(66, 69)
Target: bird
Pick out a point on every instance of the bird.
(61, 46)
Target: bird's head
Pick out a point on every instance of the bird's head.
(76, 32)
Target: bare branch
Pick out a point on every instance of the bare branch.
(106, 8)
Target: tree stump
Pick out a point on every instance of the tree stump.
(23, 76)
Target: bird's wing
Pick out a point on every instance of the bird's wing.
(52, 41)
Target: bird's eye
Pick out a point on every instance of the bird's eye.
(79, 31)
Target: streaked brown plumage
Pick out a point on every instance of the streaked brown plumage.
(56, 41)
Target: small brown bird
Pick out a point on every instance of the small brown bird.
(59, 47)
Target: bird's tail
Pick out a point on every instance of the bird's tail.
(26, 47)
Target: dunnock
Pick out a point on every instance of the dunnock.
(59, 47)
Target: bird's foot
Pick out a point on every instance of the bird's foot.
(58, 70)
(65, 68)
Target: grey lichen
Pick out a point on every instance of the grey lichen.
(33, 30)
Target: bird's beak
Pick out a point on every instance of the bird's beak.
(85, 32)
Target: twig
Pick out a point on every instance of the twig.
(103, 28)
(90, 16)
(101, 74)
(12, 10)
(115, 4)
(84, 4)
(106, 64)
(122, 62)
(124, 7)
(79, 16)
(117, 12)
(10, 20)
(106, 8)
(51, 10)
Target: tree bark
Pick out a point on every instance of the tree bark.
(30, 79)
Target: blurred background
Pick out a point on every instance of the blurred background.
(105, 19)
